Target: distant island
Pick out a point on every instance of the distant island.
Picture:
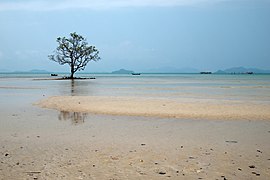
(173, 70)
(242, 70)
(36, 71)
(233, 70)
(4, 71)
(123, 71)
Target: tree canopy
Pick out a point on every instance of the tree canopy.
(75, 52)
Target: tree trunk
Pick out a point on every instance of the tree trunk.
(72, 72)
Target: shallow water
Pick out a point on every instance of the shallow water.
(214, 87)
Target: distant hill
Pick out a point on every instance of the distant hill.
(4, 70)
(122, 71)
(242, 70)
(33, 71)
(38, 71)
(173, 70)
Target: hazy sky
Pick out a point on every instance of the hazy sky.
(138, 34)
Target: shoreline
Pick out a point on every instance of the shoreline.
(163, 108)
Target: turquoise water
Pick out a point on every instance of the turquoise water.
(213, 87)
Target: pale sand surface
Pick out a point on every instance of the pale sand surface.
(44, 144)
(158, 107)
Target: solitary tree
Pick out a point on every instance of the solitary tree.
(75, 52)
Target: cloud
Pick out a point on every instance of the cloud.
(51, 5)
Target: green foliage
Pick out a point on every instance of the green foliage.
(75, 52)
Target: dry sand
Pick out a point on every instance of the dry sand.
(178, 108)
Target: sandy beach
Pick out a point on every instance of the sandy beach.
(47, 135)
(78, 146)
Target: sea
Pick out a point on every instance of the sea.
(238, 87)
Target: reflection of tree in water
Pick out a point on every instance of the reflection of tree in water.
(75, 117)
(72, 87)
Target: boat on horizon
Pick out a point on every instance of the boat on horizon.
(206, 72)
(136, 74)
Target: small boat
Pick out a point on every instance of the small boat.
(54, 74)
(249, 73)
(136, 74)
(206, 72)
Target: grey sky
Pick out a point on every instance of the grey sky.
(138, 34)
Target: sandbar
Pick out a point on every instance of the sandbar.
(158, 107)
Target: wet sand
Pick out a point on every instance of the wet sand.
(78, 143)
(68, 145)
